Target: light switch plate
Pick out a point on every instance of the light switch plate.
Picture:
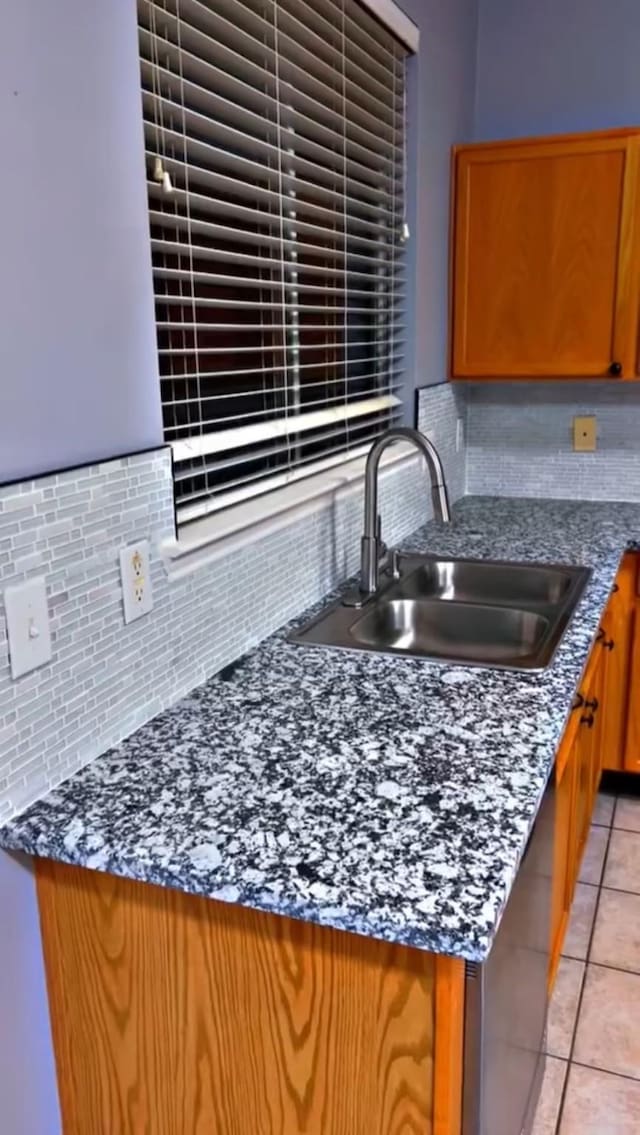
(28, 629)
(135, 573)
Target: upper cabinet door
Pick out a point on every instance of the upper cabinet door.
(545, 258)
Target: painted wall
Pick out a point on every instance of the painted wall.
(28, 1097)
(78, 371)
(77, 349)
(441, 92)
(554, 65)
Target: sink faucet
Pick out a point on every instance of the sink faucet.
(371, 546)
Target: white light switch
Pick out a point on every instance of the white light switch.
(28, 628)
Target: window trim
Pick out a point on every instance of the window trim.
(217, 534)
(391, 15)
(203, 541)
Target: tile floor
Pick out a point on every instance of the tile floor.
(592, 1074)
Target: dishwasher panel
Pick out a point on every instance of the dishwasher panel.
(506, 1000)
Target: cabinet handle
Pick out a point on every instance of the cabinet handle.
(615, 588)
(608, 644)
(588, 720)
(579, 702)
(592, 704)
(615, 370)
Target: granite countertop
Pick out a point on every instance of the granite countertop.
(390, 797)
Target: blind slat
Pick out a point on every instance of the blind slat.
(247, 132)
(195, 58)
(296, 67)
(325, 382)
(206, 504)
(178, 352)
(202, 445)
(362, 215)
(212, 230)
(200, 76)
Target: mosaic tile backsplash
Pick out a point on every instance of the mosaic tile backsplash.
(519, 440)
(105, 678)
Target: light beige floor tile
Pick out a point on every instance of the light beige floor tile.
(593, 858)
(616, 938)
(564, 1007)
(623, 861)
(599, 1104)
(627, 813)
(576, 943)
(608, 1036)
(603, 811)
(550, 1097)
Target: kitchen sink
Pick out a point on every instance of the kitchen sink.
(471, 612)
(488, 582)
(469, 630)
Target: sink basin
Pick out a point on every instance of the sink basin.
(466, 630)
(487, 582)
(470, 612)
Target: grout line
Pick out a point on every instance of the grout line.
(616, 969)
(620, 891)
(606, 1072)
(576, 1021)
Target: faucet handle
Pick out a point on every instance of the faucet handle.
(394, 564)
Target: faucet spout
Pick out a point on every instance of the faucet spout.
(371, 541)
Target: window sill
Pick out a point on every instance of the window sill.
(206, 540)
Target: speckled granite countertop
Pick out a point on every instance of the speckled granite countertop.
(385, 796)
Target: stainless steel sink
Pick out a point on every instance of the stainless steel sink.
(468, 630)
(488, 582)
(470, 612)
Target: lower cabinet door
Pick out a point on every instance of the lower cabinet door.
(563, 857)
(632, 745)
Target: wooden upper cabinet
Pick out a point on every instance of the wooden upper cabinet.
(545, 258)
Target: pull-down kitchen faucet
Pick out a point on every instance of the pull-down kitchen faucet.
(371, 546)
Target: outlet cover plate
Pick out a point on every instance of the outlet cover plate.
(585, 434)
(28, 629)
(135, 574)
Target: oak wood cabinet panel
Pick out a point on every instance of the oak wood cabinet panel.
(577, 776)
(632, 738)
(603, 731)
(617, 624)
(177, 1014)
(563, 866)
(544, 266)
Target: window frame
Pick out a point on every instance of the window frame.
(221, 531)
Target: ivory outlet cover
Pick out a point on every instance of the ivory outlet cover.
(584, 434)
(135, 574)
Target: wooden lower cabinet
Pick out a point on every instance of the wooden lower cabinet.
(177, 1015)
(564, 856)
(577, 775)
(603, 733)
(617, 642)
(632, 737)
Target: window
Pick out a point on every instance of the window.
(275, 150)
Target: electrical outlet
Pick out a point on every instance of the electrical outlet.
(137, 596)
(584, 434)
(28, 631)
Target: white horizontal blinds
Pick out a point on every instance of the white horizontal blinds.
(274, 137)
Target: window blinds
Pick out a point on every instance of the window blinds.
(275, 150)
